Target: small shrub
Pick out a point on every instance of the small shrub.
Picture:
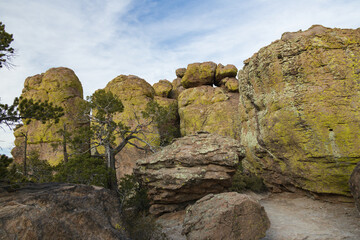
(247, 181)
(4, 164)
(39, 170)
(133, 194)
(83, 169)
(134, 208)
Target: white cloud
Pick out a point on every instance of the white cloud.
(101, 39)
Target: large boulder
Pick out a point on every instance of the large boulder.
(355, 185)
(59, 211)
(230, 216)
(222, 72)
(163, 88)
(209, 109)
(61, 87)
(180, 72)
(135, 93)
(198, 74)
(299, 110)
(188, 169)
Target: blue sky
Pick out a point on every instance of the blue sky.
(101, 39)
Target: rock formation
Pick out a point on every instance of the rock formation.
(198, 74)
(59, 211)
(300, 108)
(209, 109)
(177, 88)
(203, 107)
(188, 169)
(135, 93)
(355, 185)
(163, 88)
(228, 216)
(61, 87)
(222, 72)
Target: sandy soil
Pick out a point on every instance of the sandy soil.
(293, 217)
(296, 217)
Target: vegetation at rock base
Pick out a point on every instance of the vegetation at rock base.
(243, 181)
(134, 208)
(6, 52)
(84, 169)
(164, 119)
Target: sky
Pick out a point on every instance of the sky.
(101, 39)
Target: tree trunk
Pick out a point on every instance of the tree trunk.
(25, 153)
(66, 158)
(110, 162)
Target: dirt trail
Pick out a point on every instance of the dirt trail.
(295, 217)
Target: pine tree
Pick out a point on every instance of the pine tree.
(6, 52)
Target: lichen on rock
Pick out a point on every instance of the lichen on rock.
(300, 109)
(61, 87)
(135, 93)
(208, 109)
(188, 169)
(163, 88)
(198, 74)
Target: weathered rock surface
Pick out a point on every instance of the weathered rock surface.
(188, 169)
(300, 110)
(355, 185)
(232, 84)
(135, 93)
(163, 88)
(177, 88)
(59, 211)
(180, 72)
(225, 216)
(198, 74)
(61, 87)
(209, 109)
(222, 72)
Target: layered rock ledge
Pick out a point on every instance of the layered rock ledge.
(189, 169)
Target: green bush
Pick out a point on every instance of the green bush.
(242, 182)
(4, 164)
(134, 208)
(38, 170)
(83, 169)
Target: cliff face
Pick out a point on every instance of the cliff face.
(61, 87)
(300, 110)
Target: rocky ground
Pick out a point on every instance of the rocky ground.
(294, 217)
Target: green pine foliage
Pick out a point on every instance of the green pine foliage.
(39, 171)
(4, 164)
(243, 181)
(6, 52)
(83, 169)
(165, 119)
(27, 110)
